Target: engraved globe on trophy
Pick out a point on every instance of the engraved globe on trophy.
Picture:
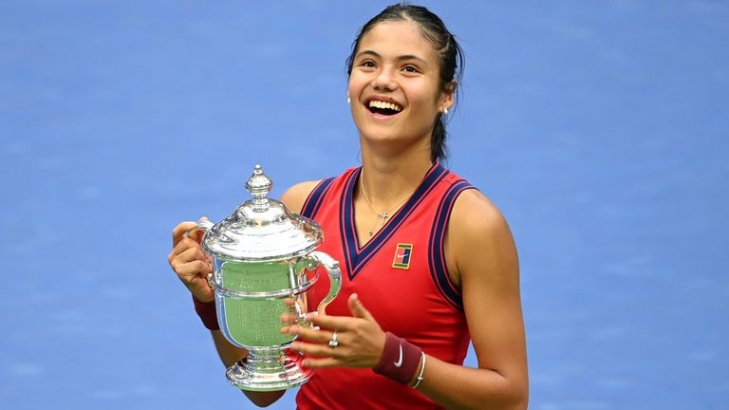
(264, 261)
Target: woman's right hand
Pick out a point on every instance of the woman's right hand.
(189, 262)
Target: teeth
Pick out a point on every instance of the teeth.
(384, 105)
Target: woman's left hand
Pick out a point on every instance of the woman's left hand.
(355, 341)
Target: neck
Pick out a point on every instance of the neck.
(387, 180)
(384, 214)
(385, 189)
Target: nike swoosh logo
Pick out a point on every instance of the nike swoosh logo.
(398, 363)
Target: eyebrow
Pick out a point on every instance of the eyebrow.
(399, 58)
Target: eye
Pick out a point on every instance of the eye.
(367, 64)
(411, 69)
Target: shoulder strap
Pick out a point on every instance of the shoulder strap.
(438, 267)
(314, 200)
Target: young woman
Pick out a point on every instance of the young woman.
(428, 262)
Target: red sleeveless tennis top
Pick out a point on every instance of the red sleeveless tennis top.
(400, 276)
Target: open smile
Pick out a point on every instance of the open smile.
(383, 107)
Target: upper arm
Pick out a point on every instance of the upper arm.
(295, 197)
(484, 258)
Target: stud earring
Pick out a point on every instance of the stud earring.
(348, 100)
(445, 111)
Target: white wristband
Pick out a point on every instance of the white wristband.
(420, 376)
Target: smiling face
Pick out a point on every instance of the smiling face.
(394, 86)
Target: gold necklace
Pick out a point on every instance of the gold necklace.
(380, 215)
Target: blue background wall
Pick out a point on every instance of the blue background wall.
(599, 128)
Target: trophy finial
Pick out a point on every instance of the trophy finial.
(259, 185)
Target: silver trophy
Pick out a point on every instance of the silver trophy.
(264, 261)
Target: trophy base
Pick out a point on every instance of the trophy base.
(268, 370)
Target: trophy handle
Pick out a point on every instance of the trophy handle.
(335, 276)
(203, 224)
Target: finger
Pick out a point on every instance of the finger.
(187, 252)
(311, 334)
(340, 323)
(181, 247)
(318, 350)
(198, 232)
(179, 232)
(357, 308)
(190, 271)
(289, 318)
(196, 235)
(321, 363)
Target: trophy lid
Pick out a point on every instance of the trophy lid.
(262, 229)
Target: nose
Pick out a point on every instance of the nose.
(384, 81)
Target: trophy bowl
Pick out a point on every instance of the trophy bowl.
(264, 261)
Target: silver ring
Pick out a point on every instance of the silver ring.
(334, 342)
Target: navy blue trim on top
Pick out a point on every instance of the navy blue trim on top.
(356, 257)
(314, 200)
(436, 255)
(346, 222)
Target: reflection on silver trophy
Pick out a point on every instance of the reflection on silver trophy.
(265, 260)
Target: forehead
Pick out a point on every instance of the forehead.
(397, 38)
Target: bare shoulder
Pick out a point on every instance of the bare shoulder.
(295, 196)
(475, 214)
(479, 237)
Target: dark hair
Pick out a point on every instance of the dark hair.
(449, 53)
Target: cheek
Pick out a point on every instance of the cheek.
(423, 100)
(355, 86)
(422, 93)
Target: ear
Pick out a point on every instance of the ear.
(448, 97)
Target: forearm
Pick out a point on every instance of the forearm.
(458, 387)
(229, 355)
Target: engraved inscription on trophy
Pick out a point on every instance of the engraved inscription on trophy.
(256, 321)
